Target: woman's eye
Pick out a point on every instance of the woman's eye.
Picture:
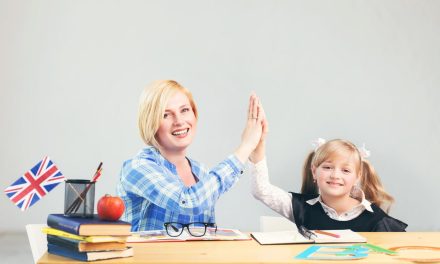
(346, 171)
(326, 167)
(186, 109)
(166, 115)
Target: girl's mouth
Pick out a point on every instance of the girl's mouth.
(335, 183)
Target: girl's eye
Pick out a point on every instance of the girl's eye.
(166, 115)
(326, 167)
(346, 171)
(186, 109)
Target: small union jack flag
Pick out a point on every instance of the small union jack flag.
(34, 184)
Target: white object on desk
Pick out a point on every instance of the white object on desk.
(37, 240)
(294, 237)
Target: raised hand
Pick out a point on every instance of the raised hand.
(260, 151)
(253, 130)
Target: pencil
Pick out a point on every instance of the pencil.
(77, 203)
(97, 173)
(327, 233)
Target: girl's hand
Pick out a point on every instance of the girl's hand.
(252, 132)
(260, 151)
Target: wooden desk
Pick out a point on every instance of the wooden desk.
(250, 251)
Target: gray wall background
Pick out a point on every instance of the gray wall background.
(71, 73)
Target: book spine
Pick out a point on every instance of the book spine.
(63, 223)
(60, 251)
(65, 243)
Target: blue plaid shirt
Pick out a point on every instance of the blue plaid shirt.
(153, 192)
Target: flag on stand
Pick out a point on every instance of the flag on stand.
(34, 184)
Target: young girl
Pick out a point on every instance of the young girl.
(340, 190)
(161, 184)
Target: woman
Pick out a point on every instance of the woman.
(161, 184)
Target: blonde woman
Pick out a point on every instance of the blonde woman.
(161, 184)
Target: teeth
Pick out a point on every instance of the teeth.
(181, 132)
(334, 183)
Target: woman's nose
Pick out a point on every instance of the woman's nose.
(178, 120)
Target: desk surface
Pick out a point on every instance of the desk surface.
(250, 251)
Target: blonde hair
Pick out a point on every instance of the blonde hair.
(369, 180)
(152, 104)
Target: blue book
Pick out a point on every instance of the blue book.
(88, 226)
(83, 246)
(88, 256)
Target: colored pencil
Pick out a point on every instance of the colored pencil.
(327, 233)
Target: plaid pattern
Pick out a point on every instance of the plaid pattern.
(153, 192)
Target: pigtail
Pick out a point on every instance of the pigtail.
(373, 188)
(308, 185)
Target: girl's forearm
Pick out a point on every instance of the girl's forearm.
(259, 153)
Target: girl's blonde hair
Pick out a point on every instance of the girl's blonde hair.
(152, 104)
(369, 180)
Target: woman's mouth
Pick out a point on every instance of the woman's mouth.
(180, 132)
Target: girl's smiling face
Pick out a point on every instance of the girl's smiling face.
(336, 175)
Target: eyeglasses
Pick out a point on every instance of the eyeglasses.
(197, 229)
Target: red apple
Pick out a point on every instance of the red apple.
(110, 208)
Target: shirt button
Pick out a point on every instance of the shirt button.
(183, 202)
(346, 214)
(241, 172)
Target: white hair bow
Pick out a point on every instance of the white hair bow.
(317, 143)
(365, 153)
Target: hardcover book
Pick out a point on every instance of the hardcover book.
(90, 239)
(88, 256)
(82, 246)
(88, 226)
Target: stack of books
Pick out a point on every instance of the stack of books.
(87, 239)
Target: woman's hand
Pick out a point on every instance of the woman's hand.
(253, 131)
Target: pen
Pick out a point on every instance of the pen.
(306, 232)
(327, 233)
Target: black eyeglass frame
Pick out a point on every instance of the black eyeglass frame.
(196, 224)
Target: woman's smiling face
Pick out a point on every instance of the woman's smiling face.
(178, 126)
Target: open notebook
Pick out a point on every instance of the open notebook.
(294, 237)
(161, 236)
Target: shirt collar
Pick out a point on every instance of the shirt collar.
(147, 151)
(358, 194)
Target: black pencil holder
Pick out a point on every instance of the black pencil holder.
(79, 198)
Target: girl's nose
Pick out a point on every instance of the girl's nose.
(334, 174)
